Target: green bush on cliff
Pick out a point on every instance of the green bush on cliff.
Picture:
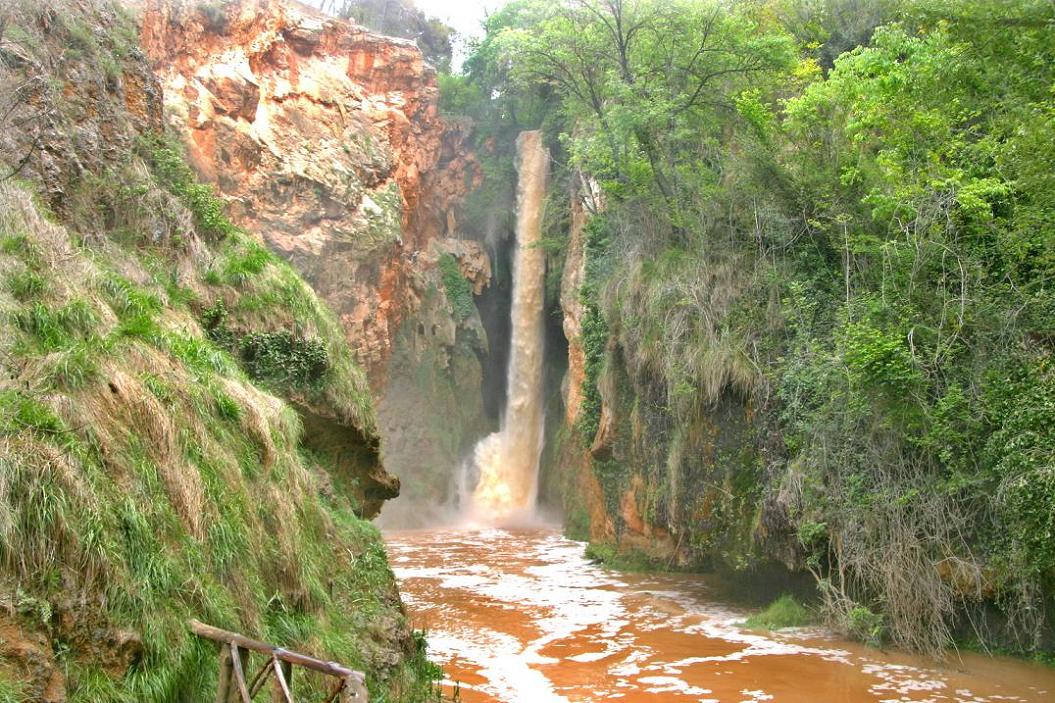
(284, 357)
(459, 291)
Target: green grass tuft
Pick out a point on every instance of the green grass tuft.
(74, 367)
(27, 285)
(54, 329)
(781, 613)
(248, 260)
(128, 299)
(227, 407)
(19, 411)
(12, 691)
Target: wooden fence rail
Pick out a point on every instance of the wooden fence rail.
(235, 649)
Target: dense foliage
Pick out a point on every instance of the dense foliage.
(838, 217)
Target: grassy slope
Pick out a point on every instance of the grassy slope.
(145, 478)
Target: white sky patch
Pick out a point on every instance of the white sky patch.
(465, 16)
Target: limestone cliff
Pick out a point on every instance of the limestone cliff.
(325, 139)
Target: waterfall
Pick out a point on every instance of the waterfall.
(507, 461)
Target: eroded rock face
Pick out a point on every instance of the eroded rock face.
(326, 141)
(572, 278)
(473, 261)
(580, 487)
(62, 125)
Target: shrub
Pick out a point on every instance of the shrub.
(214, 319)
(284, 357)
(866, 625)
(459, 292)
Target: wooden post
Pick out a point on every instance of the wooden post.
(223, 690)
(260, 679)
(281, 692)
(239, 673)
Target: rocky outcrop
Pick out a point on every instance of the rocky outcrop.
(473, 261)
(61, 128)
(571, 281)
(326, 140)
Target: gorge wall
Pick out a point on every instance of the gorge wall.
(326, 140)
(652, 479)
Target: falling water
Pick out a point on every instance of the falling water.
(507, 461)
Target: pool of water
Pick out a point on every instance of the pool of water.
(521, 615)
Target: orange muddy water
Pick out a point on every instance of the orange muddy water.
(522, 616)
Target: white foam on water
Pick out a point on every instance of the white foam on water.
(671, 684)
(500, 660)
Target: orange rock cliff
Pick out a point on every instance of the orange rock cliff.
(326, 141)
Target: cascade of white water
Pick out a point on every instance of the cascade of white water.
(507, 461)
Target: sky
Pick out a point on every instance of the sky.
(464, 15)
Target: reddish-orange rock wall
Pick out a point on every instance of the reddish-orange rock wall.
(327, 143)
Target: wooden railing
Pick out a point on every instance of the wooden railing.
(235, 649)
